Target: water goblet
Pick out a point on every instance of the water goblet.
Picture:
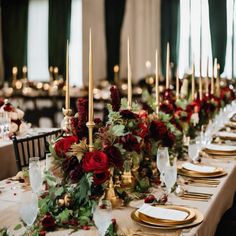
(28, 208)
(35, 174)
(170, 175)
(162, 160)
(193, 150)
(102, 216)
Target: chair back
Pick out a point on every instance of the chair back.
(32, 146)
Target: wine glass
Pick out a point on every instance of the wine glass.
(28, 208)
(193, 150)
(170, 175)
(162, 160)
(35, 174)
(102, 216)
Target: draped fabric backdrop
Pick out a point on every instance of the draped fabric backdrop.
(14, 34)
(142, 26)
(58, 32)
(93, 17)
(170, 31)
(218, 26)
(1, 54)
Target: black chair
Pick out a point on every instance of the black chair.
(32, 146)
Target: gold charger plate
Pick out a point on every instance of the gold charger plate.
(165, 222)
(216, 171)
(201, 175)
(198, 220)
(219, 152)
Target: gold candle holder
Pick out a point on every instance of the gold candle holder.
(90, 126)
(66, 123)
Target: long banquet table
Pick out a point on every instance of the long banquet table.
(212, 210)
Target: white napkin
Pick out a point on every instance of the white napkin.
(226, 134)
(198, 168)
(220, 147)
(162, 213)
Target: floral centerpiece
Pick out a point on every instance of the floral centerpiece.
(16, 115)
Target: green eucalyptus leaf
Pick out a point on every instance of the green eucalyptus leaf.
(118, 130)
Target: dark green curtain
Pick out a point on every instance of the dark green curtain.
(114, 14)
(14, 34)
(169, 31)
(59, 32)
(218, 28)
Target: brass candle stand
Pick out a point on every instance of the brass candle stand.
(66, 123)
(90, 125)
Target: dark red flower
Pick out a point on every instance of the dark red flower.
(94, 161)
(115, 98)
(8, 107)
(114, 155)
(63, 145)
(82, 106)
(100, 176)
(127, 114)
(130, 143)
(142, 130)
(168, 139)
(48, 222)
(76, 173)
(167, 107)
(42, 233)
(150, 198)
(157, 130)
(97, 120)
(69, 164)
(73, 222)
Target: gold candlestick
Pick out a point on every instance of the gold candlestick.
(129, 79)
(193, 82)
(116, 74)
(167, 65)
(157, 83)
(200, 80)
(177, 84)
(207, 78)
(67, 78)
(90, 124)
(218, 81)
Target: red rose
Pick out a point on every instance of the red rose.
(63, 145)
(130, 143)
(157, 129)
(127, 114)
(94, 161)
(48, 222)
(100, 176)
(114, 156)
(150, 199)
(142, 130)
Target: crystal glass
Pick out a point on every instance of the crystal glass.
(28, 207)
(102, 216)
(193, 150)
(35, 174)
(170, 175)
(162, 160)
(4, 124)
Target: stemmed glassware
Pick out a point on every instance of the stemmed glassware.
(35, 174)
(4, 124)
(193, 150)
(162, 160)
(102, 216)
(170, 175)
(28, 208)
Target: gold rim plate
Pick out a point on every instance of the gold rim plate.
(198, 220)
(181, 171)
(163, 222)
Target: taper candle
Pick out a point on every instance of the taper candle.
(212, 80)
(67, 78)
(177, 84)
(129, 79)
(200, 79)
(157, 83)
(167, 65)
(218, 81)
(207, 77)
(193, 82)
(90, 115)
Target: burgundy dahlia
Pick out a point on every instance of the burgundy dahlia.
(130, 143)
(114, 155)
(157, 130)
(115, 98)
